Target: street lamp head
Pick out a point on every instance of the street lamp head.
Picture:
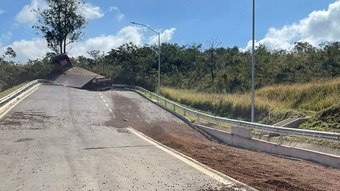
(140, 24)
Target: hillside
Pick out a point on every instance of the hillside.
(317, 100)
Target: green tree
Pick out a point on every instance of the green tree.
(60, 23)
(10, 53)
(212, 58)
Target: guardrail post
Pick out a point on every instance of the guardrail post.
(281, 139)
(157, 99)
(174, 108)
(185, 113)
(165, 103)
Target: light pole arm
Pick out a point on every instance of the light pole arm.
(146, 26)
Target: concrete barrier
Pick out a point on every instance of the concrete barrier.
(237, 139)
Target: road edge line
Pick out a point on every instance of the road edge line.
(220, 177)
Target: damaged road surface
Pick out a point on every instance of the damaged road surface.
(62, 138)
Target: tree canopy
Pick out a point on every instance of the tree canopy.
(216, 69)
(190, 67)
(10, 53)
(60, 23)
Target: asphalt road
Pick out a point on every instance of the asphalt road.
(56, 139)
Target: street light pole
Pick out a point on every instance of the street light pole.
(253, 66)
(159, 53)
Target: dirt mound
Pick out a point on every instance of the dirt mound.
(259, 170)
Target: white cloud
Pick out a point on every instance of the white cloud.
(2, 12)
(166, 36)
(37, 48)
(127, 34)
(119, 15)
(107, 42)
(27, 15)
(318, 26)
(91, 12)
(27, 49)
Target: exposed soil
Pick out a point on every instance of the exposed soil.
(259, 170)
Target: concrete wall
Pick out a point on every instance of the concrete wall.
(236, 140)
(291, 122)
(296, 123)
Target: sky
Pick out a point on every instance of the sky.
(279, 24)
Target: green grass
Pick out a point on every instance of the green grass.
(272, 103)
(10, 90)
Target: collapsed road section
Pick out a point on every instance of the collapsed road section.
(77, 77)
(72, 76)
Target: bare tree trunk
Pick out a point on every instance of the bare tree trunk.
(65, 45)
(61, 47)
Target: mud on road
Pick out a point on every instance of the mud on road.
(259, 170)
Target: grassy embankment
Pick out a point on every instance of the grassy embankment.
(318, 100)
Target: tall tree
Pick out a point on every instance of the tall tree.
(10, 53)
(212, 58)
(60, 23)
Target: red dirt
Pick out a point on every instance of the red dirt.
(259, 170)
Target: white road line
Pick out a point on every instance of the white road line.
(107, 105)
(104, 100)
(226, 180)
(28, 93)
(110, 110)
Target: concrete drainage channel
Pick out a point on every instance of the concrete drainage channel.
(242, 138)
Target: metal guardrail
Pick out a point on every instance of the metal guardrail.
(221, 120)
(14, 94)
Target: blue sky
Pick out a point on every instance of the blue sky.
(279, 23)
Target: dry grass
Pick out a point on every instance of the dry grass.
(278, 100)
(314, 96)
